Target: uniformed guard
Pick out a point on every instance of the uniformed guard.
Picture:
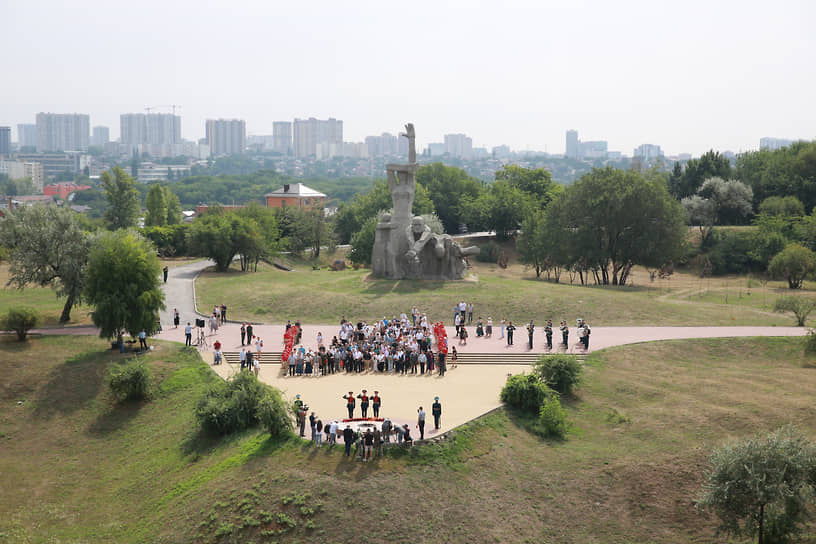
(350, 402)
(363, 402)
(376, 402)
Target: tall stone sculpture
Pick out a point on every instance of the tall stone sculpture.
(404, 247)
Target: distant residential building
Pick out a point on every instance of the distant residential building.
(100, 136)
(5, 140)
(500, 151)
(307, 134)
(774, 143)
(149, 172)
(27, 135)
(648, 152)
(149, 128)
(261, 142)
(282, 137)
(63, 132)
(355, 150)
(295, 195)
(576, 149)
(22, 170)
(572, 145)
(436, 149)
(684, 156)
(226, 136)
(458, 145)
(54, 164)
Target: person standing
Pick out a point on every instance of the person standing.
(250, 334)
(530, 329)
(386, 430)
(302, 420)
(378, 442)
(216, 352)
(470, 313)
(489, 327)
(457, 321)
(348, 438)
(242, 357)
(176, 317)
(421, 423)
(313, 425)
(243, 333)
(363, 403)
(423, 359)
(319, 434)
(188, 335)
(223, 313)
(564, 334)
(510, 329)
(368, 445)
(376, 402)
(586, 336)
(548, 332)
(332, 433)
(436, 411)
(165, 271)
(143, 340)
(256, 366)
(350, 402)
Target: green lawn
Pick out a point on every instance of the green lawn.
(77, 468)
(273, 296)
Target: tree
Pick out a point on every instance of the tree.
(362, 243)
(794, 263)
(733, 199)
(448, 188)
(785, 206)
(314, 229)
(221, 235)
(610, 220)
(711, 164)
(20, 320)
(156, 205)
(173, 207)
(531, 242)
(800, 306)
(123, 199)
(123, 284)
(48, 247)
(790, 171)
(761, 486)
(701, 212)
(537, 183)
(501, 208)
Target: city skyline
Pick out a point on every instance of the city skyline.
(710, 75)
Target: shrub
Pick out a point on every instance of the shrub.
(273, 414)
(489, 253)
(800, 306)
(20, 320)
(553, 418)
(238, 404)
(795, 263)
(560, 372)
(130, 381)
(525, 392)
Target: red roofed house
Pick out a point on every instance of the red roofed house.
(296, 195)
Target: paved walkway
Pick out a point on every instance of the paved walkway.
(465, 392)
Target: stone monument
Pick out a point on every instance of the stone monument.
(404, 246)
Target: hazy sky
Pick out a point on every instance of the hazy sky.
(688, 75)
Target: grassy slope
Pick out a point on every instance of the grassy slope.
(77, 468)
(271, 295)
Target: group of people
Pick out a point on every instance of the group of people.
(582, 329)
(376, 434)
(399, 345)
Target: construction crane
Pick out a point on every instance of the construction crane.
(174, 106)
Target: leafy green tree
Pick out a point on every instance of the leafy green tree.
(785, 206)
(123, 284)
(786, 172)
(560, 372)
(762, 486)
(156, 205)
(174, 216)
(314, 229)
(123, 199)
(362, 243)
(47, 247)
(612, 220)
(531, 242)
(675, 179)
(717, 202)
(221, 235)
(537, 183)
(795, 263)
(800, 306)
(711, 164)
(502, 208)
(449, 188)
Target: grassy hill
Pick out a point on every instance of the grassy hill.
(75, 467)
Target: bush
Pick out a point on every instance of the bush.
(240, 403)
(553, 418)
(795, 263)
(130, 381)
(525, 392)
(489, 253)
(20, 320)
(731, 253)
(800, 306)
(560, 372)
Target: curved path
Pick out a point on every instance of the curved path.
(465, 392)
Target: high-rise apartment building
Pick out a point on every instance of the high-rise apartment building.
(458, 145)
(226, 136)
(5, 140)
(27, 135)
(149, 128)
(100, 136)
(63, 132)
(774, 143)
(648, 152)
(572, 144)
(282, 137)
(307, 134)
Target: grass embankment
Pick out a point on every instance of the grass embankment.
(76, 467)
(273, 296)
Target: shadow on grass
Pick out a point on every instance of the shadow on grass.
(379, 286)
(115, 419)
(531, 424)
(616, 288)
(72, 385)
